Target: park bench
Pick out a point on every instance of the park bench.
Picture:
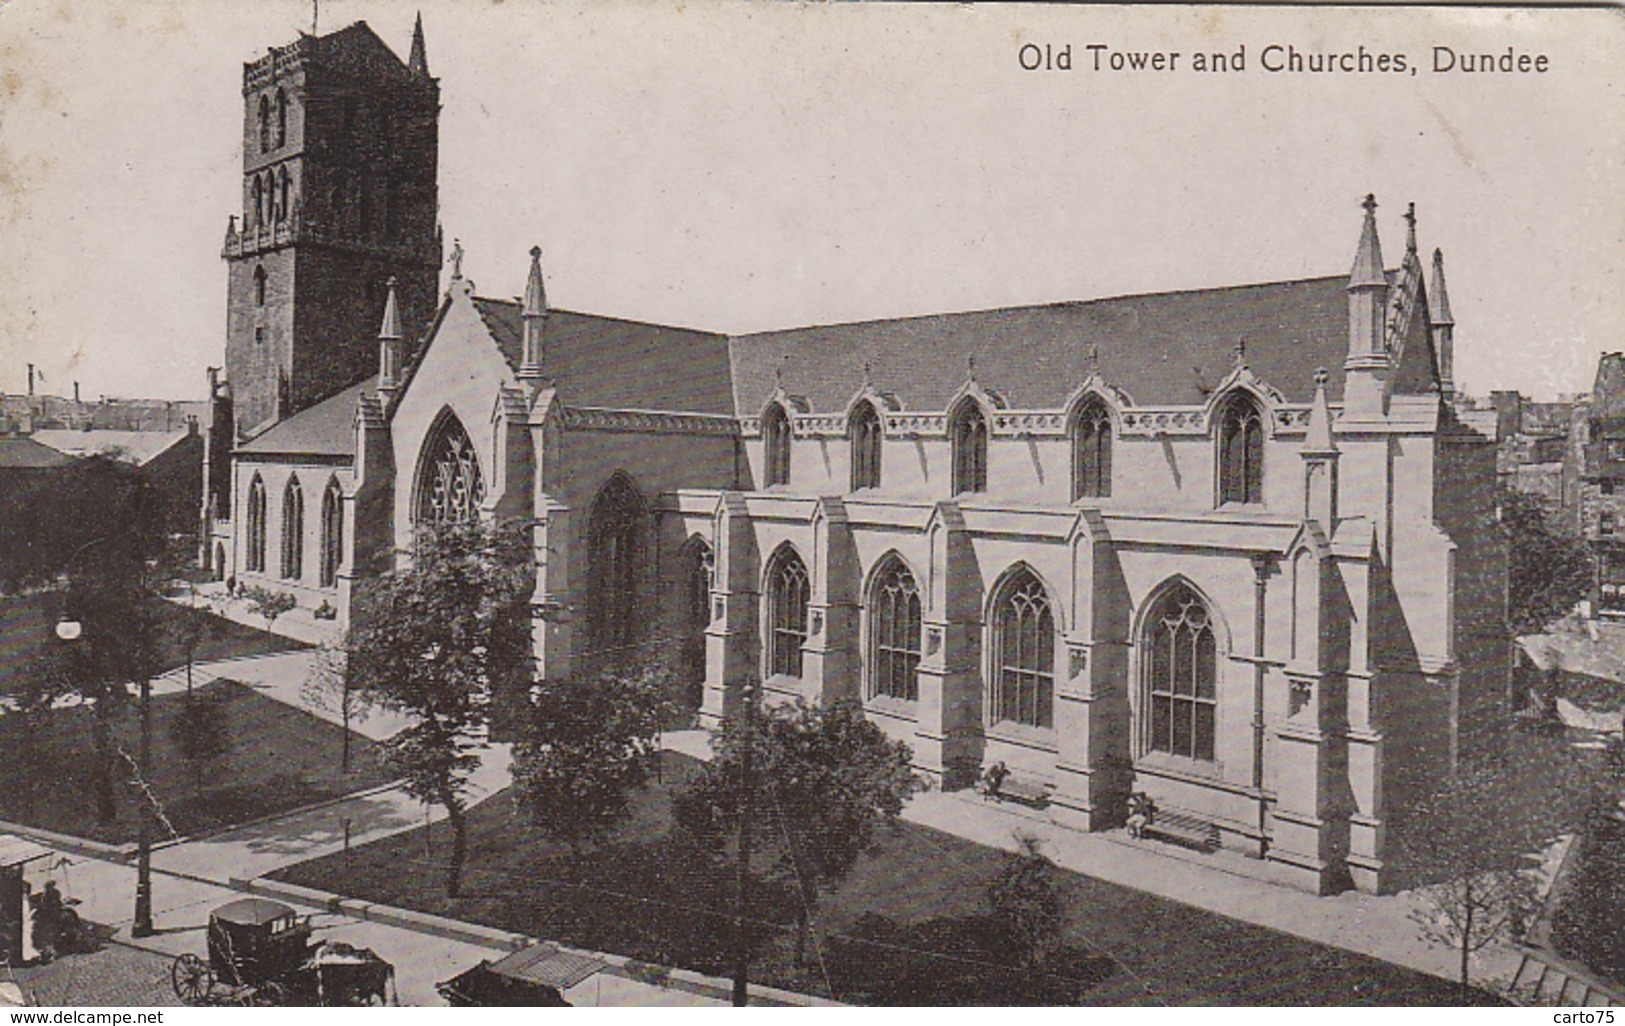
(1181, 828)
(1021, 788)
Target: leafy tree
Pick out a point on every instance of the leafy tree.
(433, 639)
(1550, 571)
(1478, 836)
(1590, 923)
(201, 732)
(267, 603)
(586, 746)
(1025, 899)
(817, 782)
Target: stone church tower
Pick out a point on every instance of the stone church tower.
(340, 146)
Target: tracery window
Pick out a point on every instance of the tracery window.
(776, 439)
(788, 593)
(866, 440)
(894, 633)
(1181, 671)
(450, 488)
(969, 434)
(1023, 685)
(612, 563)
(256, 526)
(1241, 451)
(1092, 452)
(293, 530)
(332, 534)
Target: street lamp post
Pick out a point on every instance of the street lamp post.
(70, 630)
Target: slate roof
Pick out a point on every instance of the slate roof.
(27, 454)
(609, 362)
(326, 429)
(1161, 348)
(137, 447)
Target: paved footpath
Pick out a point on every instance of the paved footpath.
(1224, 882)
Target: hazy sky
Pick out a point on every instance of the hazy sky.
(746, 166)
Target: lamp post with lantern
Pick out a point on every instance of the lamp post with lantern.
(71, 630)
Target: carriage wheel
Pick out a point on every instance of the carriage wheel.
(271, 994)
(192, 979)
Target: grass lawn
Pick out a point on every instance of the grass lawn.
(28, 622)
(647, 895)
(279, 758)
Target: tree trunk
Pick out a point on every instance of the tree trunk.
(1466, 939)
(102, 768)
(459, 844)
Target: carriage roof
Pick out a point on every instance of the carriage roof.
(251, 912)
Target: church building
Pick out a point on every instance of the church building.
(1233, 548)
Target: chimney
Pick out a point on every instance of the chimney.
(30, 381)
(76, 392)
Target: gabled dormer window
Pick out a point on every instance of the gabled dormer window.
(1241, 451)
(1092, 452)
(776, 446)
(968, 432)
(866, 438)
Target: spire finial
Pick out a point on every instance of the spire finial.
(1368, 270)
(419, 61)
(1410, 227)
(391, 328)
(389, 341)
(1321, 377)
(970, 368)
(868, 375)
(456, 259)
(778, 372)
(535, 291)
(1094, 358)
(1241, 350)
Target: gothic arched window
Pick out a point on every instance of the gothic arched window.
(293, 530)
(894, 633)
(284, 206)
(281, 118)
(259, 285)
(450, 488)
(788, 592)
(866, 439)
(256, 191)
(332, 534)
(265, 123)
(1241, 451)
(968, 431)
(613, 538)
(776, 445)
(1092, 452)
(699, 576)
(1023, 677)
(256, 526)
(1181, 675)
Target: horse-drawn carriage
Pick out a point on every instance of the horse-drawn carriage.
(262, 953)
